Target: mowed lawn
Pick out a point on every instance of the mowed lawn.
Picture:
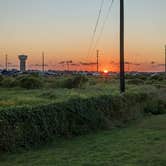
(139, 144)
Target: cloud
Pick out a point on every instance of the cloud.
(38, 65)
(75, 64)
(65, 62)
(12, 65)
(69, 61)
(153, 62)
(62, 62)
(88, 63)
(131, 63)
(115, 63)
(136, 64)
(161, 65)
(128, 63)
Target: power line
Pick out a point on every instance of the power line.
(96, 26)
(104, 23)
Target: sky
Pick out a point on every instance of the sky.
(63, 30)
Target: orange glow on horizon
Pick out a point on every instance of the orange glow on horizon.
(105, 71)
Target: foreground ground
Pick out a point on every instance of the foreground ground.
(141, 144)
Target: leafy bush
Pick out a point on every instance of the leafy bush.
(1, 78)
(158, 77)
(135, 81)
(9, 82)
(30, 82)
(49, 95)
(27, 126)
(75, 82)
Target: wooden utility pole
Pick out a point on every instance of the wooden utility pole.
(122, 65)
(67, 65)
(43, 63)
(97, 61)
(6, 62)
(165, 59)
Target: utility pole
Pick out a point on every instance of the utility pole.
(122, 65)
(97, 61)
(128, 67)
(43, 63)
(165, 59)
(6, 62)
(67, 65)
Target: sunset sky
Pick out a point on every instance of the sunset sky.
(63, 30)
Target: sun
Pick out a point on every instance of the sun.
(106, 71)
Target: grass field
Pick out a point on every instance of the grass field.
(18, 97)
(56, 110)
(53, 92)
(139, 144)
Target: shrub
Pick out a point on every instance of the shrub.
(1, 79)
(49, 95)
(142, 77)
(27, 126)
(30, 82)
(75, 82)
(135, 81)
(9, 82)
(158, 77)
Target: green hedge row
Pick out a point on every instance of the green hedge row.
(34, 125)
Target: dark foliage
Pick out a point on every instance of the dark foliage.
(28, 126)
(136, 81)
(75, 82)
(1, 79)
(30, 82)
(8, 82)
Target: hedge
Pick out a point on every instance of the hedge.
(28, 126)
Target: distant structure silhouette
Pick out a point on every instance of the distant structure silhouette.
(43, 63)
(22, 59)
(97, 62)
(6, 62)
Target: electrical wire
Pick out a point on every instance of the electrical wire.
(96, 26)
(104, 23)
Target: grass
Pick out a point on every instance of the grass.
(140, 144)
(17, 96)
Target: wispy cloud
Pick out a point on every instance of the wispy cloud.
(66, 62)
(137, 64)
(153, 62)
(161, 65)
(88, 63)
(75, 64)
(38, 65)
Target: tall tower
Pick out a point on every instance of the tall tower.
(22, 59)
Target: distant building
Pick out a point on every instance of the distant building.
(22, 59)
